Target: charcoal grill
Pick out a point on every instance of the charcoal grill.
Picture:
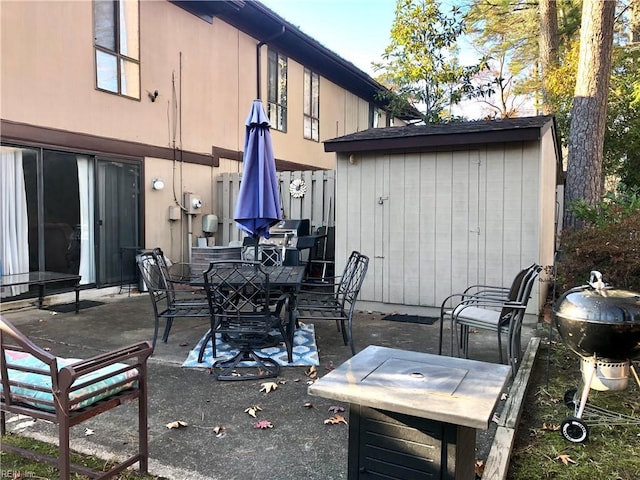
(286, 232)
(602, 326)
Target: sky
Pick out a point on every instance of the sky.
(357, 30)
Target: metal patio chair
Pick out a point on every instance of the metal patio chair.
(335, 299)
(170, 297)
(497, 309)
(245, 315)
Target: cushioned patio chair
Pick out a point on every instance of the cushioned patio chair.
(67, 391)
(170, 297)
(497, 309)
(335, 299)
(245, 315)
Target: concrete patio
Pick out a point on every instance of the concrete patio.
(298, 446)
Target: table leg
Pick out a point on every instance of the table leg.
(40, 295)
(77, 288)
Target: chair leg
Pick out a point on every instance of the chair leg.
(143, 426)
(167, 329)
(64, 461)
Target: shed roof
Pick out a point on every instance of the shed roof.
(435, 136)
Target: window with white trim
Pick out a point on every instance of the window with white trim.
(116, 27)
(277, 90)
(311, 105)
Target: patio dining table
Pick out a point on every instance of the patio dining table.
(283, 278)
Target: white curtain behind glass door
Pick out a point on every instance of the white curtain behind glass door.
(87, 238)
(14, 226)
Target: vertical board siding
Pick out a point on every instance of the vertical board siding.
(433, 223)
(317, 204)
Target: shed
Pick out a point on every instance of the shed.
(442, 206)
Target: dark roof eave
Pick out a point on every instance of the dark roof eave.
(432, 141)
(260, 22)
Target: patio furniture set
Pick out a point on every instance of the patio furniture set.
(249, 305)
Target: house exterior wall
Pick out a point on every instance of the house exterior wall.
(205, 74)
(433, 223)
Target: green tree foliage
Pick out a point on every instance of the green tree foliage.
(421, 63)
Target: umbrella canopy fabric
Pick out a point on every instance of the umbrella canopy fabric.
(258, 205)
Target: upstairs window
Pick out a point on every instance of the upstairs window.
(277, 90)
(311, 105)
(116, 27)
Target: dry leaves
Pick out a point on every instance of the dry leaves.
(552, 427)
(566, 459)
(220, 431)
(334, 420)
(312, 372)
(308, 405)
(177, 424)
(268, 387)
(252, 410)
(262, 424)
(479, 468)
(336, 409)
(88, 431)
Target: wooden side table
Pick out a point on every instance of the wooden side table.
(413, 415)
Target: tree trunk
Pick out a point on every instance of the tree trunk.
(589, 111)
(548, 45)
(634, 21)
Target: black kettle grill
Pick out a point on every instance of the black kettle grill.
(601, 325)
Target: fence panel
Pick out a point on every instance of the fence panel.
(303, 194)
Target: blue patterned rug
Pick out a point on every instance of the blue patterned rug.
(305, 352)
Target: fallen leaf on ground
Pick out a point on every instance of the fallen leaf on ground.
(479, 468)
(308, 405)
(268, 387)
(184, 344)
(335, 420)
(566, 459)
(219, 430)
(177, 424)
(552, 427)
(262, 424)
(88, 431)
(336, 408)
(252, 410)
(312, 372)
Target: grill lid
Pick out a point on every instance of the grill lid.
(596, 320)
(598, 303)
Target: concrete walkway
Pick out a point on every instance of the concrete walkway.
(299, 446)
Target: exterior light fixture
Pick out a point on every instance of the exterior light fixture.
(157, 184)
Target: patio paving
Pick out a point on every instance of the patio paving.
(298, 446)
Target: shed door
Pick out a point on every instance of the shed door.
(428, 206)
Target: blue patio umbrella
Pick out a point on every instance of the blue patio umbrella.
(258, 205)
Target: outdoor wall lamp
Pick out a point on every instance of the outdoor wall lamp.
(157, 184)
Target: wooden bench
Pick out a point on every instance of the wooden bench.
(68, 391)
(42, 279)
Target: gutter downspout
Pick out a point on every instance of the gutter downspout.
(258, 57)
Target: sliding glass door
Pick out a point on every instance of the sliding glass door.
(118, 221)
(69, 213)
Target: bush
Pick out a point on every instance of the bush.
(610, 243)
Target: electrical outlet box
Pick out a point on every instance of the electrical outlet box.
(192, 203)
(174, 212)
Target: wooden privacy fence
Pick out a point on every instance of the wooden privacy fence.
(303, 194)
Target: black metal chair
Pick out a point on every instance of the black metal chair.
(241, 304)
(497, 309)
(335, 299)
(170, 298)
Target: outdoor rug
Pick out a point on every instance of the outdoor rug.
(71, 307)
(305, 351)
(411, 319)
